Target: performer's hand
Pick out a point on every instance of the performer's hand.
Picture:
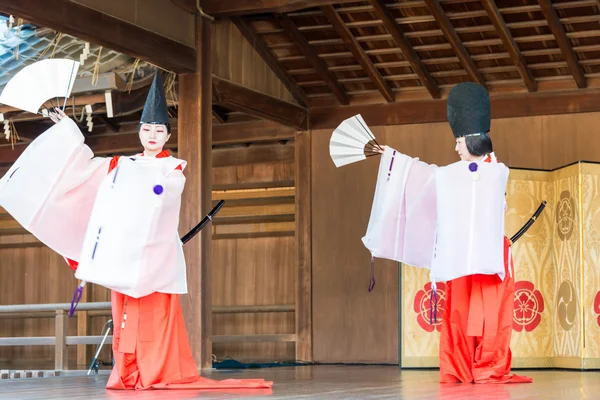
(57, 115)
(382, 149)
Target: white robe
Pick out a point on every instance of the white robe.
(121, 232)
(431, 217)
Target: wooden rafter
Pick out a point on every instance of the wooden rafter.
(356, 49)
(318, 64)
(102, 29)
(263, 50)
(224, 8)
(509, 43)
(452, 37)
(239, 98)
(563, 42)
(431, 111)
(408, 52)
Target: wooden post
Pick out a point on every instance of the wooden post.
(195, 145)
(83, 328)
(61, 353)
(303, 247)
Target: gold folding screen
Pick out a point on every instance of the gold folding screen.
(556, 315)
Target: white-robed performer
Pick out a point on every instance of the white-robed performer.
(115, 220)
(450, 220)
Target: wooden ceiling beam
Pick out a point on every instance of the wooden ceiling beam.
(408, 52)
(263, 50)
(563, 42)
(113, 139)
(432, 111)
(228, 8)
(189, 6)
(239, 98)
(100, 145)
(509, 43)
(452, 37)
(318, 64)
(102, 29)
(358, 52)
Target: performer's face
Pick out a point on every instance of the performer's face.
(463, 152)
(153, 137)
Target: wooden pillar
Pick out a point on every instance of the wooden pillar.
(194, 145)
(303, 247)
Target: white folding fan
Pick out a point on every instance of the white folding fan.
(352, 141)
(39, 82)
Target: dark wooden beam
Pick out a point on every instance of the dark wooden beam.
(102, 29)
(108, 123)
(350, 41)
(227, 8)
(318, 64)
(126, 140)
(429, 111)
(443, 21)
(100, 144)
(390, 24)
(509, 43)
(251, 132)
(563, 42)
(220, 116)
(195, 119)
(253, 155)
(186, 5)
(267, 55)
(239, 98)
(126, 103)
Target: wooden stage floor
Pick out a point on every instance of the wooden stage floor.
(322, 382)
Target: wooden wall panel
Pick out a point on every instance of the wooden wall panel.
(257, 271)
(254, 271)
(235, 59)
(160, 16)
(349, 323)
(352, 325)
(254, 173)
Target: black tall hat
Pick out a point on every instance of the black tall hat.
(155, 109)
(468, 109)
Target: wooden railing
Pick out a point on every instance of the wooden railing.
(61, 340)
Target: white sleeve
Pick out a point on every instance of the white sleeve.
(51, 187)
(402, 223)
